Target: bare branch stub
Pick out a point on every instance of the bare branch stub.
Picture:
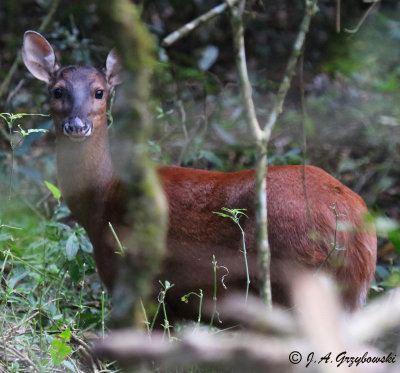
(311, 8)
(46, 21)
(192, 25)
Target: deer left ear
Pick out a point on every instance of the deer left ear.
(38, 56)
(113, 69)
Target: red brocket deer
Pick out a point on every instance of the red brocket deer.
(302, 226)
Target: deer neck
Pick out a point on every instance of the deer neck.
(86, 177)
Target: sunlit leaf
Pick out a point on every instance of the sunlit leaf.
(59, 351)
(54, 190)
(72, 246)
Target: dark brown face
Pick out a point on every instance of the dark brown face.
(78, 101)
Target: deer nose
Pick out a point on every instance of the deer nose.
(76, 128)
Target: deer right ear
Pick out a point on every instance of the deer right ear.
(113, 69)
(38, 56)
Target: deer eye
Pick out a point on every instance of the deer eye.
(99, 94)
(58, 92)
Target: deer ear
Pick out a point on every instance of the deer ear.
(113, 69)
(38, 56)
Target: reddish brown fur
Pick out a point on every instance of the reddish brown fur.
(301, 225)
(195, 233)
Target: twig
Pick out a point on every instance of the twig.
(49, 16)
(334, 243)
(10, 332)
(311, 8)
(32, 366)
(338, 14)
(18, 59)
(14, 92)
(189, 140)
(86, 350)
(4, 134)
(305, 120)
(189, 27)
(214, 263)
(7, 79)
(235, 215)
(182, 113)
(238, 40)
(363, 18)
(196, 131)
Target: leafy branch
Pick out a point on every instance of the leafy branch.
(235, 215)
(10, 118)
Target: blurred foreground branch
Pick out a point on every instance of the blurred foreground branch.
(317, 327)
(146, 205)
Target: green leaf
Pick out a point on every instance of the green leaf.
(72, 246)
(393, 281)
(394, 237)
(31, 130)
(6, 236)
(211, 157)
(74, 270)
(59, 351)
(384, 226)
(222, 214)
(382, 272)
(390, 85)
(85, 244)
(54, 190)
(65, 335)
(17, 275)
(69, 366)
(167, 285)
(234, 214)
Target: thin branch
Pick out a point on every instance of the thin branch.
(261, 143)
(11, 72)
(15, 91)
(189, 27)
(338, 14)
(246, 89)
(311, 8)
(305, 120)
(86, 350)
(363, 18)
(49, 16)
(188, 140)
(18, 59)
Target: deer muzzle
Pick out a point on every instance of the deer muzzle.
(77, 129)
